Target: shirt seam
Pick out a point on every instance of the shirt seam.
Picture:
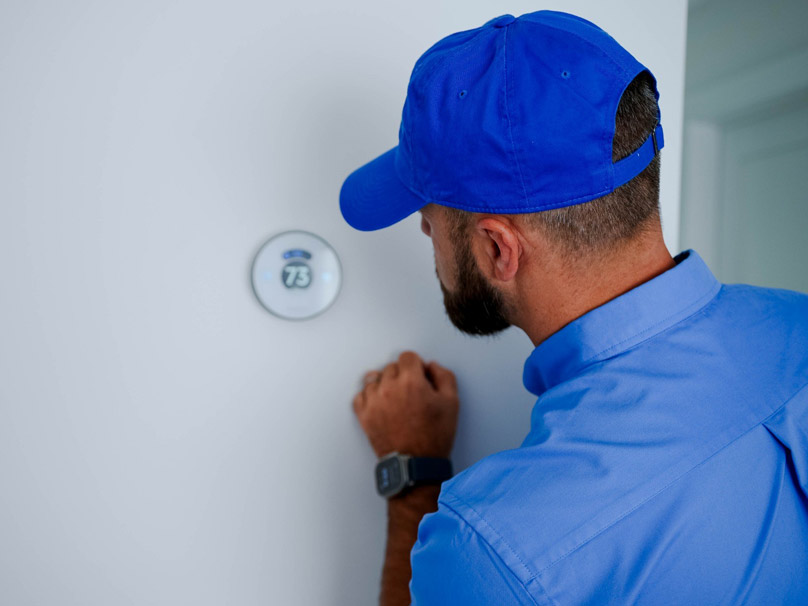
(532, 577)
(752, 579)
(669, 484)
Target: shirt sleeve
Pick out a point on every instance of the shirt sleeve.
(452, 564)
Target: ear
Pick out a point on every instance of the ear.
(499, 247)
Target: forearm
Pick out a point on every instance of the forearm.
(404, 513)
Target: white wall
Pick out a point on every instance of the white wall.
(163, 439)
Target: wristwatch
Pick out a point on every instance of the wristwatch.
(396, 472)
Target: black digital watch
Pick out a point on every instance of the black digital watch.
(396, 472)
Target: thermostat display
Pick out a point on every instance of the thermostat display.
(296, 275)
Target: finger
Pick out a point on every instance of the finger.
(410, 361)
(359, 403)
(389, 372)
(443, 378)
(412, 370)
(371, 376)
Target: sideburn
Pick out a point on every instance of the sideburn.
(475, 308)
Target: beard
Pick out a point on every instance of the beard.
(476, 307)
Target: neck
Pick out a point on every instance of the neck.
(559, 290)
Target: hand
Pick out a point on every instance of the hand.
(410, 407)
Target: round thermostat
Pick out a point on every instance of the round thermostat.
(296, 275)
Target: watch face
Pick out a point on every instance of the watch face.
(389, 479)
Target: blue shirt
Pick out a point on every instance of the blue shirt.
(666, 463)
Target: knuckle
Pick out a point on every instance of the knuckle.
(408, 380)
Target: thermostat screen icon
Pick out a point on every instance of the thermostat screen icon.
(299, 253)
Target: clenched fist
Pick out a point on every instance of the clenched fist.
(409, 407)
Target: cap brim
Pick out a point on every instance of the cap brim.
(373, 197)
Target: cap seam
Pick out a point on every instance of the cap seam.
(589, 43)
(426, 77)
(608, 128)
(430, 49)
(551, 70)
(508, 114)
(449, 51)
(608, 141)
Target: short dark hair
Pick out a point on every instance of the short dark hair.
(620, 215)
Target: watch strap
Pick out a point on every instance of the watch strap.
(429, 470)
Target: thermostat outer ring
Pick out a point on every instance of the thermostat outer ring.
(326, 245)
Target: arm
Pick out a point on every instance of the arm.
(404, 513)
(410, 407)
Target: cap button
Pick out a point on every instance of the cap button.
(504, 20)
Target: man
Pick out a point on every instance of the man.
(667, 457)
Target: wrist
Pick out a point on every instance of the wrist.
(416, 498)
(405, 511)
(397, 474)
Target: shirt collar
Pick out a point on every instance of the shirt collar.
(622, 323)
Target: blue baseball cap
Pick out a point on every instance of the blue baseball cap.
(515, 116)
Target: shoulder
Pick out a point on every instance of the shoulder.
(522, 501)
